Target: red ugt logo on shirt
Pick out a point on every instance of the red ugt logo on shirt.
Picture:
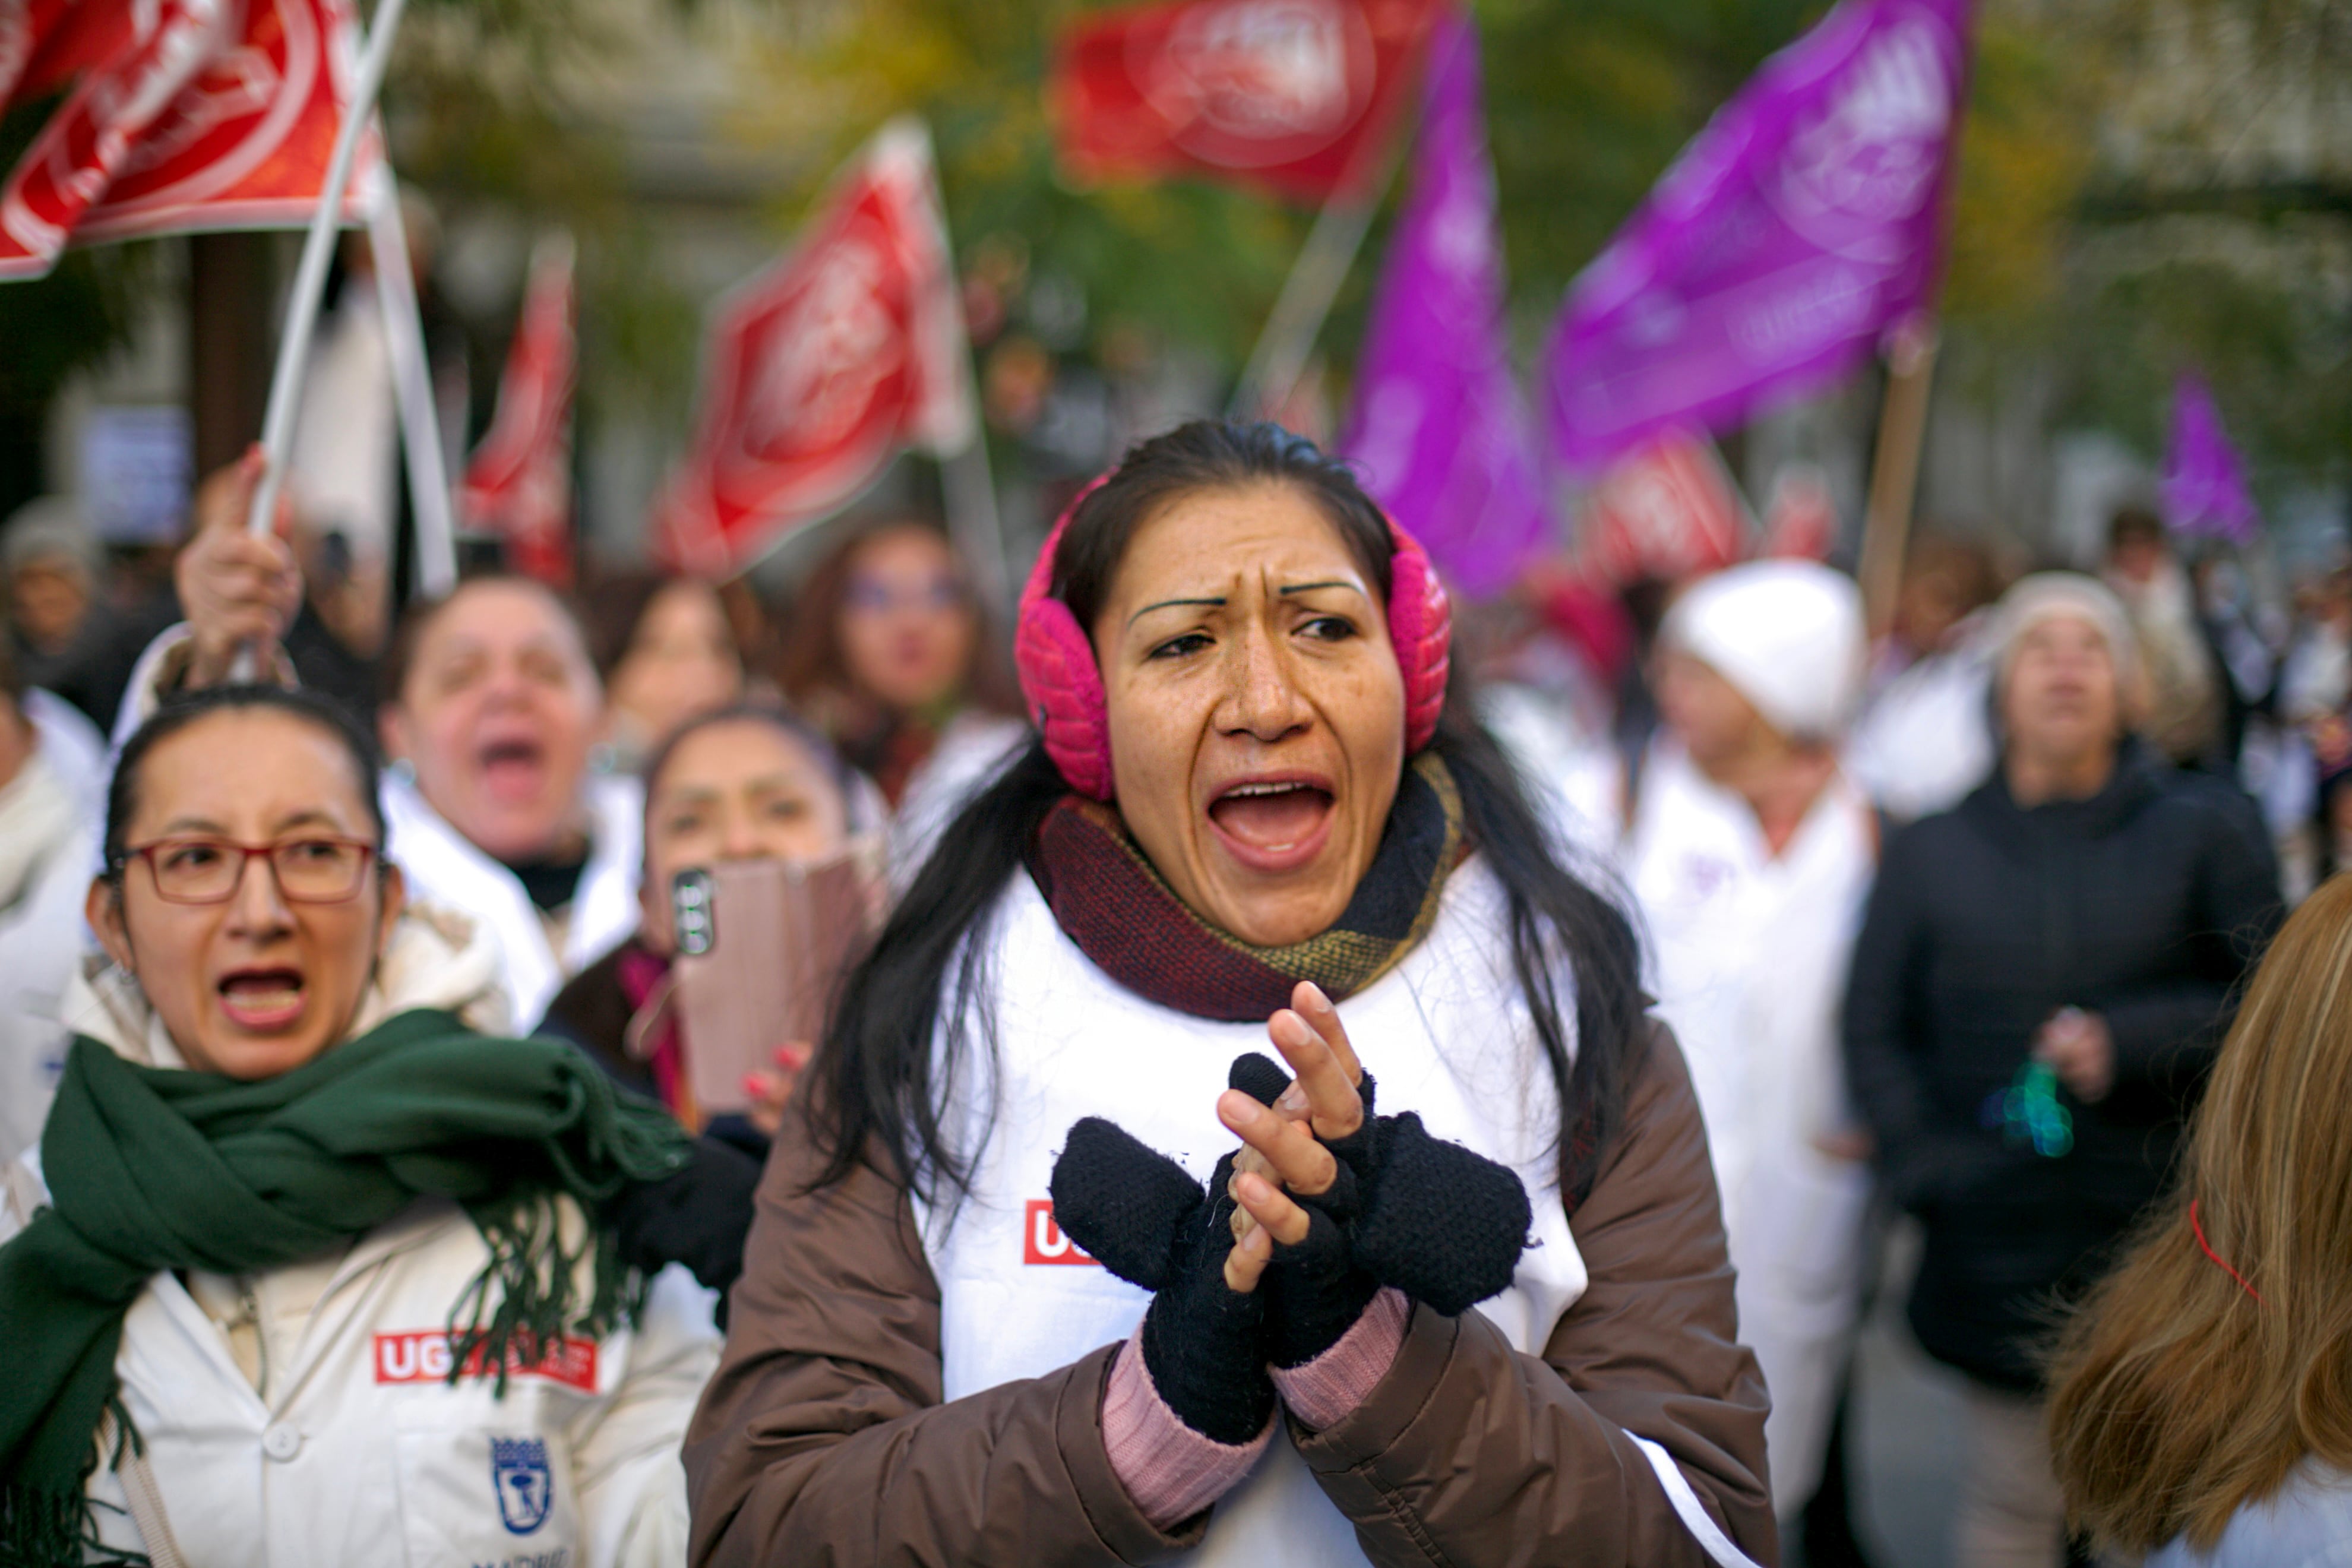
(1042, 1240)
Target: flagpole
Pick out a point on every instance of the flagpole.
(1280, 356)
(310, 278)
(1894, 472)
(412, 383)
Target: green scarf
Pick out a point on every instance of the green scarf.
(150, 1169)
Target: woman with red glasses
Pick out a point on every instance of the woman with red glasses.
(308, 1263)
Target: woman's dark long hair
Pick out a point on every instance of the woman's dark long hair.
(879, 1082)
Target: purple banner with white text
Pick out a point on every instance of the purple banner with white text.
(1802, 226)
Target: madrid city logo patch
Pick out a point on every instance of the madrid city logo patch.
(524, 1483)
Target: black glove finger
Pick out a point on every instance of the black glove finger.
(1202, 1338)
(1314, 1292)
(1259, 1076)
(1123, 1201)
(1441, 1223)
(1359, 1158)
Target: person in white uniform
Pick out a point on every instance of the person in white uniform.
(49, 845)
(302, 1271)
(1254, 814)
(491, 714)
(1751, 855)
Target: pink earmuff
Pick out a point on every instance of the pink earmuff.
(1063, 688)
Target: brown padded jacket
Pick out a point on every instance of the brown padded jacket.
(822, 1439)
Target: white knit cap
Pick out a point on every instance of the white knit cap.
(2045, 594)
(1786, 634)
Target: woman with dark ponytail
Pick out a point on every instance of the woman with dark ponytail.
(1455, 1290)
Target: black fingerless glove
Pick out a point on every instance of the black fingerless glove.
(1317, 1289)
(1440, 1223)
(1142, 1217)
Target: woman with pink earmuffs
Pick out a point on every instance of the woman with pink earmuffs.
(1055, 1264)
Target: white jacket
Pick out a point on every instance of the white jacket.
(41, 935)
(1750, 953)
(444, 868)
(969, 755)
(303, 1419)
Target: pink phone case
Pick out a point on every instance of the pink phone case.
(781, 935)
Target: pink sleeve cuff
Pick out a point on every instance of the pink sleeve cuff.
(1171, 1471)
(1324, 1392)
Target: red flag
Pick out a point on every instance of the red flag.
(136, 65)
(1277, 93)
(823, 368)
(1668, 511)
(518, 483)
(242, 142)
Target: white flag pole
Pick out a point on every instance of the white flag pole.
(1283, 346)
(412, 385)
(310, 278)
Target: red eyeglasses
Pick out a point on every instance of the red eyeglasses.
(192, 870)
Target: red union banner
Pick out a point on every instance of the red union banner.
(1277, 93)
(242, 142)
(519, 484)
(136, 65)
(1668, 511)
(247, 143)
(823, 368)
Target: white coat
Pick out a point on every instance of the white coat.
(41, 932)
(964, 760)
(443, 868)
(310, 1424)
(1924, 739)
(1446, 1033)
(1750, 951)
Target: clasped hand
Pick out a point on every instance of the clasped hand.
(1325, 1203)
(1286, 1145)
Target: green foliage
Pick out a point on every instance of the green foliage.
(78, 315)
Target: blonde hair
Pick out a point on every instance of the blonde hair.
(2181, 1394)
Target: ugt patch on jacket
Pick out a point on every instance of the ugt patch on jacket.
(421, 1355)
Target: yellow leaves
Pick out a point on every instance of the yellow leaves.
(2025, 152)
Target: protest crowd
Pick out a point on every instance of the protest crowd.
(1312, 1001)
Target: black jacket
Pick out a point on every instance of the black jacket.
(2143, 904)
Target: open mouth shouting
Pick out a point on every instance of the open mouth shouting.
(264, 1000)
(514, 768)
(1273, 822)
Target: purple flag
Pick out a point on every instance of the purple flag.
(1438, 424)
(1801, 226)
(2204, 491)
